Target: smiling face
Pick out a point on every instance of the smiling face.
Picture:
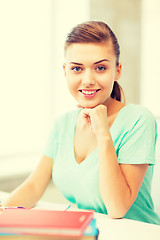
(91, 70)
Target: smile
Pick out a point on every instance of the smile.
(89, 93)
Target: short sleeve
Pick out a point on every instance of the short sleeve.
(52, 142)
(138, 143)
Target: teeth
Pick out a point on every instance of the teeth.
(88, 92)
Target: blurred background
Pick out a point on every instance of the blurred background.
(33, 90)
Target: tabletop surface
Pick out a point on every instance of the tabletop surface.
(112, 229)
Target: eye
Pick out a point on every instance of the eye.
(100, 68)
(76, 69)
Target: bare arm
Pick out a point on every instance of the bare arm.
(29, 193)
(119, 183)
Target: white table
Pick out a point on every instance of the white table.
(125, 229)
(113, 229)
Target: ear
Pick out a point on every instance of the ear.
(118, 71)
(64, 69)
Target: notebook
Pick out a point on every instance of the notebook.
(91, 233)
(45, 222)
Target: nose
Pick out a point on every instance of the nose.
(88, 78)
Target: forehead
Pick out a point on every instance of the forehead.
(92, 52)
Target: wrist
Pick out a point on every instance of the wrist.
(103, 139)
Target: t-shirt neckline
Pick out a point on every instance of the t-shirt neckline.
(86, 160)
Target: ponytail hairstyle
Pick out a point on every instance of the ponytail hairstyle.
(97, 32)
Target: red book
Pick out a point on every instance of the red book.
(45, 222)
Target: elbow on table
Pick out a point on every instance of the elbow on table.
(117, 213)
(116, 216)
(118, 209)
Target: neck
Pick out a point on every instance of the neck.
(110, 104)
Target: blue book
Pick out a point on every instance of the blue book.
(92, 229)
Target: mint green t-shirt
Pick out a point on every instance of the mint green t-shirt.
(134, 135)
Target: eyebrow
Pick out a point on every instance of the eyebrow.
(80, 64)
(103, 60)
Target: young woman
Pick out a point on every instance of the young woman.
(101, 155)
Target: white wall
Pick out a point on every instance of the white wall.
(25, 75)
(150, 56)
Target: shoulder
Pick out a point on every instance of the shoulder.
(138, 110)
(137, 135)
(62, 124)
(137, 114)
(64, 120)
(67, 116)
(134, 119)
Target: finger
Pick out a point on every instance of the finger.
(79, 106)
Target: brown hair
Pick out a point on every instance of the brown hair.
(94, 32)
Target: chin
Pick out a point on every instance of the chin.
(89, 105)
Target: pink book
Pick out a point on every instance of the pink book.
(45, 222)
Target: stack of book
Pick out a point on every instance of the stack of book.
(47, 224)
